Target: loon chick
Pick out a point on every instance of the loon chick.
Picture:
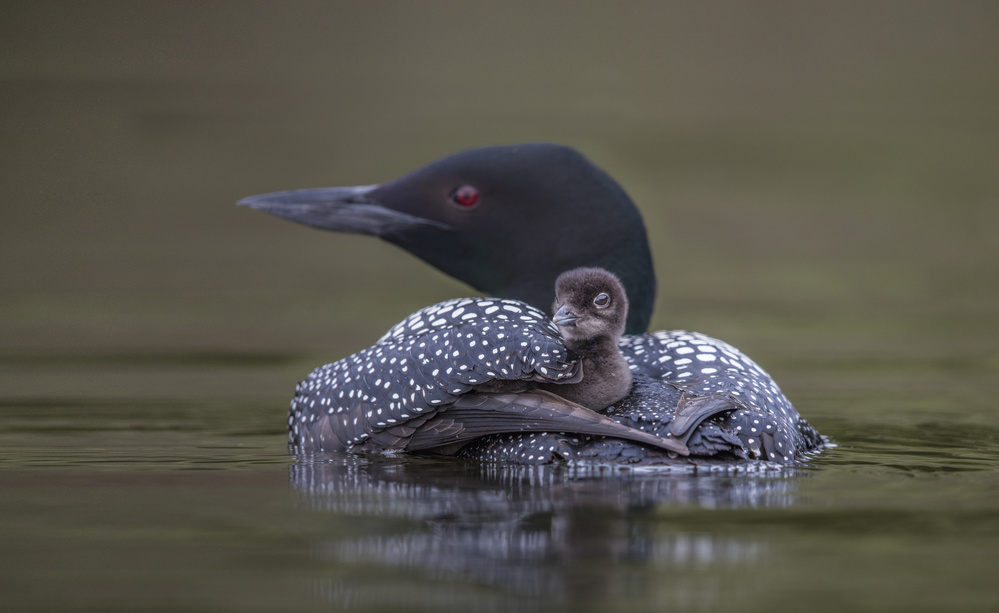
(590, 310)
(467, 368)
(485, 216)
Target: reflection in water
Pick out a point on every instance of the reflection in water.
(566, 534)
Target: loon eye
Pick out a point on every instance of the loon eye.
(465, 196)
(602, 301)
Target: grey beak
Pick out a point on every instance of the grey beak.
(563, 317)
(341, 209)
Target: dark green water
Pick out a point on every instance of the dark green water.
(821, 186)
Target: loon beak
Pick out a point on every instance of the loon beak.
(341, 209)
(564, 317)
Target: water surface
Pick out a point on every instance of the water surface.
(188, 503)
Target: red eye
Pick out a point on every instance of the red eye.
(466, 195)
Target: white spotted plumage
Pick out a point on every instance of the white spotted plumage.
(421, 364)
(705, 365)
(762, 425)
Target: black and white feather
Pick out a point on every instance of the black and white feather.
(701, 390)
(437, 378)
(765, 421)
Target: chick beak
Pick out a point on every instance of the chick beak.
(564, 317)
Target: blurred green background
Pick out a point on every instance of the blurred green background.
(810, 172)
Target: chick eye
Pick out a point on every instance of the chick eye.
(465, 196)
(602, 301)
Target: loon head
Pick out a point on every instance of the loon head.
(590, 306)
(506, 220)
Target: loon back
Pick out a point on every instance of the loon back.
(432, 381)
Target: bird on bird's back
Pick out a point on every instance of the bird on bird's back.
(507, 221)
(467, 368)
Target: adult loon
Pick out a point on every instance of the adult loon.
(508, 220)
(467, 368)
